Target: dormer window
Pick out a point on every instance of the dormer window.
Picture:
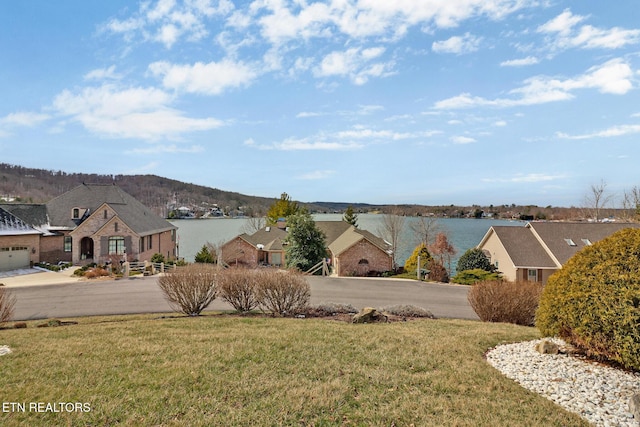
(75, 213)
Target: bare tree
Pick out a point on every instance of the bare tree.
(596, 199)
(391, 230)
(7, 303)
(425, 229)
(631, 204)
(253, 224)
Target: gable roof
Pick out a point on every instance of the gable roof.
(11, 225)
(565, 239)
(523, 247)
(92, 196)
(550, 244)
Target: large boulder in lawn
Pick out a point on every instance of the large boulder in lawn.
(369, 315)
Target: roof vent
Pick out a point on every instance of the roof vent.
(570, 242)
(587, 242)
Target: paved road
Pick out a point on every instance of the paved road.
(142, 295)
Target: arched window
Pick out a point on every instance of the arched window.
(363, 262)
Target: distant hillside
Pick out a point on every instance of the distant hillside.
(39, 186)
(28, 185)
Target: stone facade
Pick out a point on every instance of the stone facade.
(52, 249)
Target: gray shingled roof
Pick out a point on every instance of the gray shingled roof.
(554, 235)
(91, 196)
(523, 247)
(11, 225)
(33, 214)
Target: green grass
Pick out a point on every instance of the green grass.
(225, 371)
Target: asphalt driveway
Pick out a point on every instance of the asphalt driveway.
(142, 295)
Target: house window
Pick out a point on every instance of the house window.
(75, 213)
(67, 243)
(116, 245)
(363, 262)
(115, 227)
(149, 242)
(105, 214)
(532, 275)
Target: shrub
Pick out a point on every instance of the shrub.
(238, 288)
(437, 272)
(474, 259)
(408, 311)
(593, 302)
(157, 258)
(7, 304)
(469, 277)
(190, 289)
(505, 301)
(330, 309)
(283, 293)
(411, 264)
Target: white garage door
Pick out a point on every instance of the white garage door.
(14, 257)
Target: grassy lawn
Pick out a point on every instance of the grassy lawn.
(225, 371)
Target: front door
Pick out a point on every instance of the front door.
(86, 248)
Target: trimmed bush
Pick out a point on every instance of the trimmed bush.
(238, 287)
(7, 304)
(190, 289)
(329, 309)
(505, 301)
(283, 294)
(594, 301)
(469, 277)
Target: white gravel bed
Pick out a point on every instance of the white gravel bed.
(600, 394)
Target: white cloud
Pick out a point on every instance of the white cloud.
(317, 175)
(612, 77)
(156, 148)
(212, 78)
(458, 44)
(565, 34)
(25, 119)
(529, 60)
(354, 63)
(527, 178)
(500, 123)
(462, 140)
(306, 114)
(607, 133)
(135, 112)
(168, 21)
(103, 74)
(305, 144)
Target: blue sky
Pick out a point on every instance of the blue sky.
(405, 101)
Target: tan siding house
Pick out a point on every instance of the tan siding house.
(537, 250)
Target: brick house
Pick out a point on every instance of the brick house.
(352, 252)
(97, 223)
(19, 242)
(539, 249)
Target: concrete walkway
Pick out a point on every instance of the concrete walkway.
(37, 276)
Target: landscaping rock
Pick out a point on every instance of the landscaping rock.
(547, 347)
(369, 315)
(634, 406)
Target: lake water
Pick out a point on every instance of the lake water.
(462, 233)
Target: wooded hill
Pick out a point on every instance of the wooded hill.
(27, 185)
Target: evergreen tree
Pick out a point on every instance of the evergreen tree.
(473, 259)
(206, 255)
(350, 216)
(411, 264)
(282, 208)
(306, 244)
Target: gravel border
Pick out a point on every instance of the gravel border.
(598, 393)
